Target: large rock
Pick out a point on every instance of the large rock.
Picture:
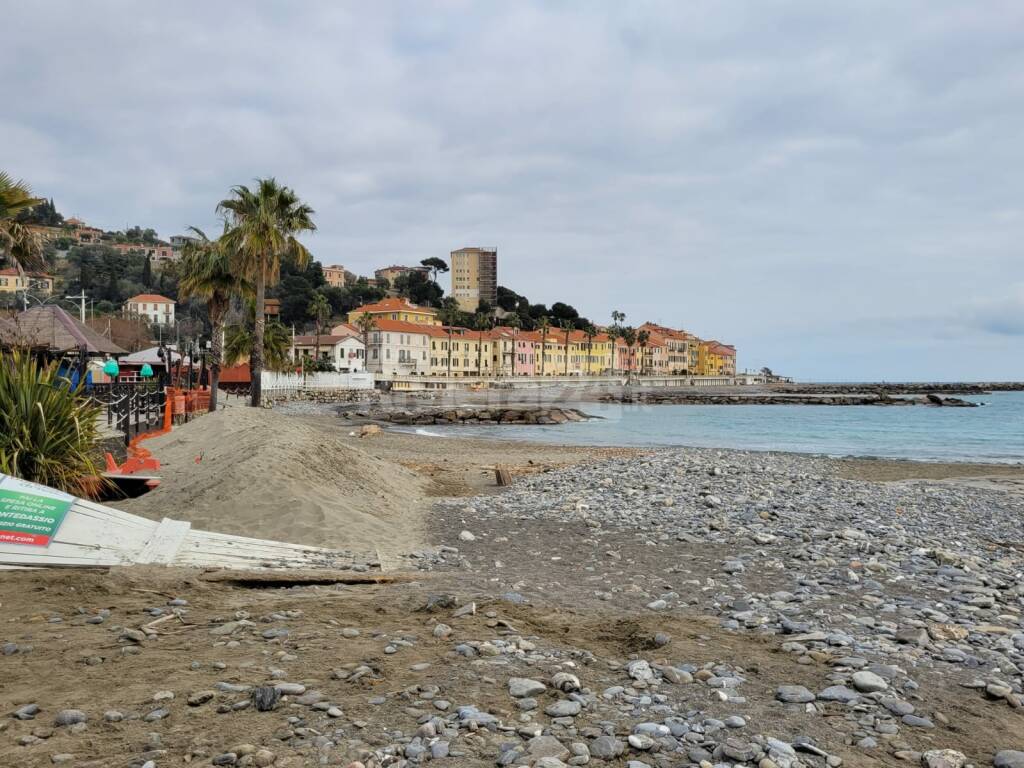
(606, 748)
(868, 682)
(794, 694)
(522, 687)
(1009, 758)
(547, 746)
(943, 758)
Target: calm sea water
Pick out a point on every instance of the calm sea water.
(992, 433)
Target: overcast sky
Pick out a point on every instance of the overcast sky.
(837, 192)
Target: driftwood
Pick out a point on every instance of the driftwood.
(502, 476)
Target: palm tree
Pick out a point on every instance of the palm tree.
(449, 315)
(543, 324)
(319, 309)
(629, 337)
(568, 326)
(206, 273)
(366, 323)
(19, 243)
(642, 338)
(515, 323)
(616, 330)
(262, 225)
(482, 323)
(240, 342)
(590, 332)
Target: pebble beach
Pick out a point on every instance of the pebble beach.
(641, 608)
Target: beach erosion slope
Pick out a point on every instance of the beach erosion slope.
(254, 472)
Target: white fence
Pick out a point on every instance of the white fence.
(273, 382)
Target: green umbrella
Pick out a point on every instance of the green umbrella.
(111, 368)
(146, 371)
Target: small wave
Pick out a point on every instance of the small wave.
(427, 432)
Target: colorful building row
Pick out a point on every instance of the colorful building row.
(407, 339)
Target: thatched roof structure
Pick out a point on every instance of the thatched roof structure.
(52, 329)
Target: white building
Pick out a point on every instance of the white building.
(346, 353)
(152, 306)
(398, 348)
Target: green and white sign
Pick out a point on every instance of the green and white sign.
(30, 514)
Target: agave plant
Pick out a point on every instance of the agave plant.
(48, 428)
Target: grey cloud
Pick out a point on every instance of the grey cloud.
(778, 175)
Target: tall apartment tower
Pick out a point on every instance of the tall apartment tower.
(475, 277)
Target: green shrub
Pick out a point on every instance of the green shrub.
(48, 429)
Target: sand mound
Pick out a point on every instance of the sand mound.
(254, 472)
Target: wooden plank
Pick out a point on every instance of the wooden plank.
(164, 543)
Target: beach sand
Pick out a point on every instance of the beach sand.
(313, 480)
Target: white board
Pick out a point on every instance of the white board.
(95, 535)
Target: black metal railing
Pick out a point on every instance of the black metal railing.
(131, 408)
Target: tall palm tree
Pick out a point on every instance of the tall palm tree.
(319, 309)
(568, 326)
(641, 338)
(543, 324)
(20, 244)
(629, 337)
(483, 323)
(616, 329)
(515, 323)
(262, 228)
(590, 332)
(366, 323)
(206, 273)
(449, 315)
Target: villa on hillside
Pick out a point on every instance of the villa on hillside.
(152, 306)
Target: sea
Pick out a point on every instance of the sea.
(992, 433)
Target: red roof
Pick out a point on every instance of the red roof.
(393, 305)
(345, 329)
(155, 298)
(325, 340)
(14, 272)
(401, 326)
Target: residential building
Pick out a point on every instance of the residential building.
(471, 351)
(335, 276)
(716, 359)
(677, 348)
(386, 276)
(158, 252)
(474, 275)
(178, 243)
(592, 356)
(82, 232)
(398, 348)
(396, 309)
(345, 352)
(12, 281)
(503, 350)
(154, 307)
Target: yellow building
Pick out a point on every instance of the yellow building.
(471, 353)
(12, 281)
(474, 276)
(396, 309)
(716, 359)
